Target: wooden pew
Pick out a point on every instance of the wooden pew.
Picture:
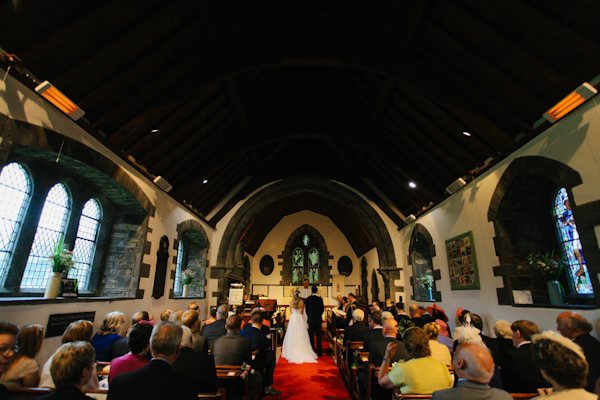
(349, 372)
(28, 393)
(232, 373)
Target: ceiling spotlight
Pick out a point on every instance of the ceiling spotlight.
(205, 181)
(412, 184)
(466, 133)
(154, 130)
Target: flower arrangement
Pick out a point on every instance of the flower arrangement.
(62, 258)
(246, 370)
(188, 277)
(549, 265)
(426, 281)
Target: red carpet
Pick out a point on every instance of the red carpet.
(309, 381)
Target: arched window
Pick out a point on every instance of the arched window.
(15, 192)
(85, 243)
(422, 269)
(577, 271)
(192, 254)
(305, 266)
(51, 228)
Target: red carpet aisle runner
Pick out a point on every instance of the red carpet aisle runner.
(321, 381)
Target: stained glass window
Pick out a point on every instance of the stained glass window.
(297, 265)
(52, 225)
(313, 266)
(577, 271)
(85, 243)
(15, 192)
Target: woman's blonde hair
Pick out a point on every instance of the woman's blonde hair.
(112, 323)
(78, 330)
(176, 316)
(432, 329)
(295, 299)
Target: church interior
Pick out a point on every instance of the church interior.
(419, 151)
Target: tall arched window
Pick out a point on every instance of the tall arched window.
(577, 271)
(304, 266)
(85, 243)
(422, 268)
(15, 192)
(51, 228)
(180, 267)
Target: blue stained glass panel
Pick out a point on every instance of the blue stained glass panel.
(577, 271)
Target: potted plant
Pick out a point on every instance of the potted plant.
(550, 266)
(188, 279)
(62, 262)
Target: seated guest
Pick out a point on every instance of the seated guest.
(120, 346)
(573, 326)
(424, 314)
(460, 321)
(444, 335)
(194, 306)
(375, 306)
(437, 313)
(376, 355)
(519, 374)
(376, 331)
(386, 315)
(563, 364)
(345, 317)
(475, 321)
(165, 315)
(263, 328)
(72, 366)
(199, 367)
(156, 380)
(420, 374)
(503, 334)
(438, 351)
(415, 315)
(191, 320)
(217, 328)
(213, 316)
(80, 330)
(139, 343)
(258, 341)
(357, 329)
(104, 339)
(9, 335)
(24, 369)
(404, 321)
(233, 349)
(176, 316)
(474, 367)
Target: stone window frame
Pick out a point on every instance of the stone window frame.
(42, 181)
(437, 275)
(515, 273)
(182, 228)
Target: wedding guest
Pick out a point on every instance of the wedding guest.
(72, 366)
(213, 316)
(563, 364)
(194, 306)
(104, 339)
(404, 321)
(121, 346)
(503, 336)
(438, 351)
(199, 367)
(420, 374)
(164, 316)
(24, 369)
(191, 320)
(9, 334)
(80, 330)
(217, 328)
(444, 335)
(176, 316)
(139, 343)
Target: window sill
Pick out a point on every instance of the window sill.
(41, 300)
(561, 307)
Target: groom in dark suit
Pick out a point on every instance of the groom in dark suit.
(314, 311)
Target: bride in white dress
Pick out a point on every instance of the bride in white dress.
(296, 346)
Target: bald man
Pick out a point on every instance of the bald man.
(415, 315)
(576, 328)
(474, 367)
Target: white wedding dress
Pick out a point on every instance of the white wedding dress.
(296, 346)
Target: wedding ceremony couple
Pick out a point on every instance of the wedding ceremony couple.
(302, 341)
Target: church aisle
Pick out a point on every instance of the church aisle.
(309, 381)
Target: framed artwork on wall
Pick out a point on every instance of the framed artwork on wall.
(462, 262)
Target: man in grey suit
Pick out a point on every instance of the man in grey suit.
(474, 366)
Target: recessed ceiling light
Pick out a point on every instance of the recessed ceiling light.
(154, 130)
(412, 184)
(205, 181)
(466, 133)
